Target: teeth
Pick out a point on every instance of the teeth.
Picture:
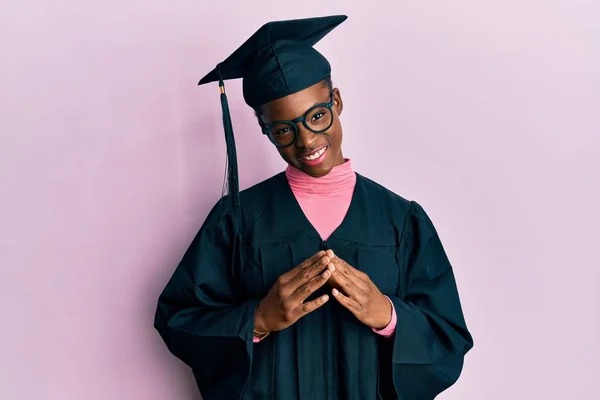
(315, 155)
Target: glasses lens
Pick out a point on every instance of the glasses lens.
(319, 119)
(282, 134)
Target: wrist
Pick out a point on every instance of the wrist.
(260, 325)
(385, 315)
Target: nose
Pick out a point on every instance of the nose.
(306, 139)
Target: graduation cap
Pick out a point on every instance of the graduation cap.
(277, 60)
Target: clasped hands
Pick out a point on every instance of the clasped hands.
(285, 303)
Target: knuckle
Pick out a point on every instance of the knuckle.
(306, 307)
(305, 289)
(302, 276)
(286, 307)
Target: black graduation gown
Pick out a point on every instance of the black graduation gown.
(205, 314)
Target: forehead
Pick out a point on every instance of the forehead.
(296, 104)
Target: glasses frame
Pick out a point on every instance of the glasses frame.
(293, 123)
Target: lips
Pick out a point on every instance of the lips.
(313, 154)
(314, 157)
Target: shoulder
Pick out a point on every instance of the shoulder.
(263, 190)
(257, 198)
(381, 196)
(404, 210)
(253, 201)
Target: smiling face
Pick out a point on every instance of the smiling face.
(316, 154)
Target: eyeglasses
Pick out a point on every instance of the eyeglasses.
(317, 119)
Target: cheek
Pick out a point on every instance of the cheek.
(286, 153)
(336, 137)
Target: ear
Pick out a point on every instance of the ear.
(338, 104)
(258, 115)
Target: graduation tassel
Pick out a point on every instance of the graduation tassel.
(232, 168)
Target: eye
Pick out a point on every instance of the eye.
(281, 131)
(317, 116)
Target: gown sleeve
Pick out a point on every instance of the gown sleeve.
(431, 337)
(201, 315)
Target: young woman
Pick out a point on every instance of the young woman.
(317, 283)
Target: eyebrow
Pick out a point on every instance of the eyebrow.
(315, 104)
(322, 102)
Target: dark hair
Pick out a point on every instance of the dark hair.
(326, 83)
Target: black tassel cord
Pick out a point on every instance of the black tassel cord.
(232, 167)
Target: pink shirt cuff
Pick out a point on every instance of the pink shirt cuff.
(389, 330)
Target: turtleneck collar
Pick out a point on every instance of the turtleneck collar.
(341, 178)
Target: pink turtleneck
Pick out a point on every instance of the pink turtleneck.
(325, 202)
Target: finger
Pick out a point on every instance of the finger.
(304, 291)
(307, 273)
(359, 278)
(349, 284)
(344, 266)
(348, 280)
(308, 307)
(356, 277)
(303, 266)
(348, 302)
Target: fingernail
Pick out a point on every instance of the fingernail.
(331, 267)
(326, 274)
(335, 292)
(325, 298)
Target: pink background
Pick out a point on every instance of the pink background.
(487, 113)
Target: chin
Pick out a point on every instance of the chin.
(317, 171)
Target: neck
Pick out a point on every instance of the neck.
(340, 178)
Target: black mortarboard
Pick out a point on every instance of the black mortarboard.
(277, 60)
